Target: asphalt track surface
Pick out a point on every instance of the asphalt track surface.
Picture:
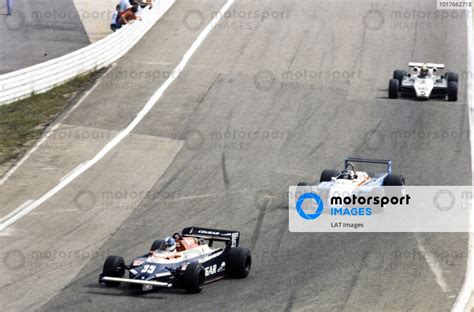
(244, 78)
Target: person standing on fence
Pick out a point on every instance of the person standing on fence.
(9, 7)
(124, 5)
(115, 24)
(129, 16)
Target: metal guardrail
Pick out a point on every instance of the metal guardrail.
(42, 77)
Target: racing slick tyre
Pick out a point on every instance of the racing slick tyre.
(393, 88)
(394, 180)
(157, 244)
(193, 278)
(239, 262)
(452, 91)
(450, 76)
(399, 74)
(114, 266)
(327, 175)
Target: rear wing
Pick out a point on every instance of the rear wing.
(430, 65)
(231, 237)
(388, 163)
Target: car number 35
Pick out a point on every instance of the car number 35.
(147, 268)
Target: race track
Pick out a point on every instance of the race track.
(313, 77)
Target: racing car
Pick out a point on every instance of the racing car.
(423, 83)
(193, 262)
(350, 180)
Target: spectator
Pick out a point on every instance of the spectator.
(115, 23)
(124, 5)
(129, 15)
(9, 7)
(148, 3)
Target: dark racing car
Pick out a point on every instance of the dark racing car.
(187, 260)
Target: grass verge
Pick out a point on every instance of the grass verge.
(24, 121)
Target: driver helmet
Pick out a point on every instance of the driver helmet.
(346, 174)
(424, 70)
(170, 244)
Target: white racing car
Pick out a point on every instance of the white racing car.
(351, 180)
(423, 82)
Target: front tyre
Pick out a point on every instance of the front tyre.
(327, 175)
(193, 278)
(399, 74)
(452, 91)
(114, 266)
(450, 76)
(393, 88)
(239, 262)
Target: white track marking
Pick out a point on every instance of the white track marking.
(73, 170)
(464, 296)
(434, 266)
(52, 129)
(124, 132)
(17, 210)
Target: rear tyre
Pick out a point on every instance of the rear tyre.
(114, 266)
(399, 74)
(193, 278)
(239, 262)
(303, 184)
(452, 91)
(157, 244)
(393, 88)
(394, 180)
(327, 175)
(450, 76)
